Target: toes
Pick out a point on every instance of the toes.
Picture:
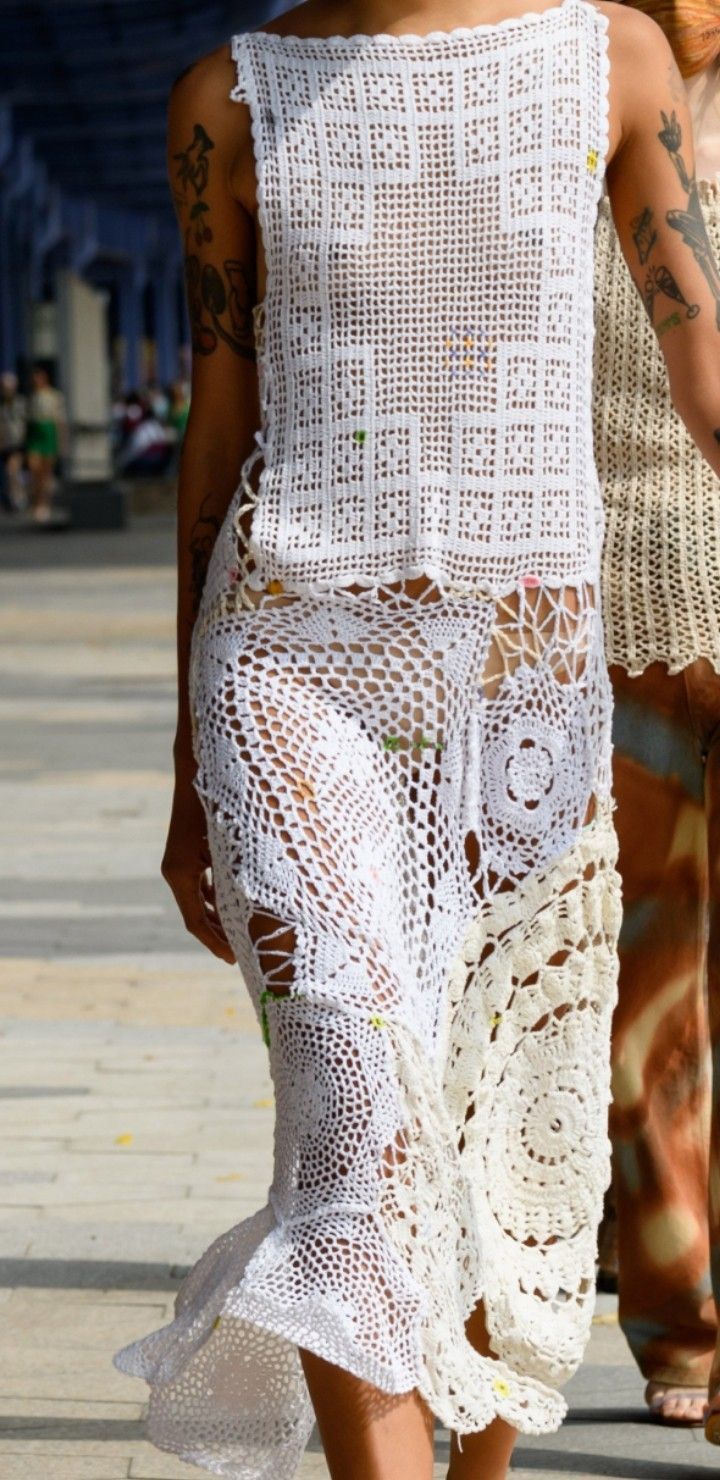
(690, 1409)
(686, 1408)
(677, 1405)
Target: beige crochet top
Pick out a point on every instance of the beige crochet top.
(661, 565)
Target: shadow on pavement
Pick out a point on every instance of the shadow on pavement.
(88, 1274)
(599, 1464)
(148, 540)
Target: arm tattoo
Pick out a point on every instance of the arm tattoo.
(644, 234)
(658, 279)
(202, 539)
(661, 280)
(668, 323)
(670, 137)
(236, 303)
(218, 309)
(194, 166)
(203, 338)
(691, 222)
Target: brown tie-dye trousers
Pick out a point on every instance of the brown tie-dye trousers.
(665, 1119)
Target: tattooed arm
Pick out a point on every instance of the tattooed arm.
(207, 138)
(654, 200)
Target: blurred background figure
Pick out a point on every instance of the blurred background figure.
(46, 440)
(147, 446)
(662, 615)
(178, 412)
(13, 428)
(178, 408)
(158, 400)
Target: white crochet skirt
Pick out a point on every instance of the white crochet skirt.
(437, 1017)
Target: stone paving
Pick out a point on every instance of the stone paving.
(136, 1107)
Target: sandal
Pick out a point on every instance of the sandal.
(658, 1394)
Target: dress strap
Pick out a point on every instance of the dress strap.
(241, 92)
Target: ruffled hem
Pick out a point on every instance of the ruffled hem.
(227, 1388)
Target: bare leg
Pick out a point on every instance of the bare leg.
(485, 1456)
(13, 470)
(46, 483)
(41, 483)
(34, 462)
(367, 1434)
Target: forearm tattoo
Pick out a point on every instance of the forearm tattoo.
(220, 302)
(644, 234)
(661, 280)
(202, 540)
(690, 222)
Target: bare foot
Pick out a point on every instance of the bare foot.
(676, 1405)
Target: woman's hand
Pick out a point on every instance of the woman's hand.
(186, 868)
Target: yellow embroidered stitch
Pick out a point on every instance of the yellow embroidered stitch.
(592, 160)
(496, 1019)
(501, 1388)
(274, 587)
(377, 1022)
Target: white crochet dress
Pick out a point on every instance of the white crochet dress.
(440, 1048)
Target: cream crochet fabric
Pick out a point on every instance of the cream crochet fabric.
(398, 786)
(661, 563)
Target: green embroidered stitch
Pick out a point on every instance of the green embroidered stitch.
(264, 1024)
(392, 742)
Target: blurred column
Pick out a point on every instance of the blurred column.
(10, 346)
(85, 374)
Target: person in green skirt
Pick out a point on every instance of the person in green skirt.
(46, 436)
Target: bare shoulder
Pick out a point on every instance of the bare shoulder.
(203, 118)
(642, 69)
(637, 44)
(203, 91)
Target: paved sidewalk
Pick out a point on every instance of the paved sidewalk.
(136, 1109)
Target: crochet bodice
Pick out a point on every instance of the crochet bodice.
(427, 207)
